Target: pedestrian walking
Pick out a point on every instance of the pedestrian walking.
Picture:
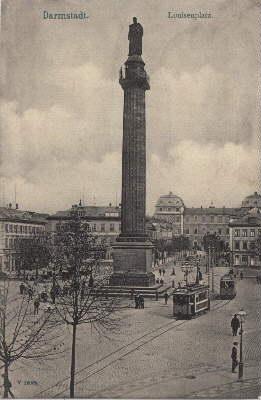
(156, 295)
(166, 297)
(173, 271)
(173, 284)
(141, 301)
(36, 305)
(241, 275)
(163, 272)
(30, 293)
(161, 281)
(132, 294)
(235, 324)
(234, 357)
(22, 288)
(136, 299)
(160, 271)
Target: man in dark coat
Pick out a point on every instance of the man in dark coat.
(235, 324)
(234, 356)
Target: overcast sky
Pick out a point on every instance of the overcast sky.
(61, 110)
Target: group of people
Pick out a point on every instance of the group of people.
(139, 301)
(30, 291)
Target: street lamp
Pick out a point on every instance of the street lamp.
(242, 315)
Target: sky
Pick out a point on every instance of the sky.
(61, 105)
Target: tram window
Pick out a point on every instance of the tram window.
(180, 299)
(202, 296)
(227, 284)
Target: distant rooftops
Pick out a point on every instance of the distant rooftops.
(169, 200)
(14, 214)
(253, 200)
(89, 212)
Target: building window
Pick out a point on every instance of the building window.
(244, 233)
(11, 228)
(26, 229)
(220, 231)
(177, 209)
(195, 217)
(94, 228)
(195, 231)
(88, 228)
(21, 228)
(237, 245)
(227, 231)
(252, 232)
(187, 231)
(244, 245)
(33, 229)
(212, 218)
(169, 209)
(160, 209)
(111, 227)
(203, 218)
(244, 259)
(219, 219)
(177, 219)
(6, 243)
(6, 227)
(187, 219)
(102, 227)
(237, 232)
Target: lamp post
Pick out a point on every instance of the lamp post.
(212, 267)
(242, 314)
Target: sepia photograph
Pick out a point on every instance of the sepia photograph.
(130, 199)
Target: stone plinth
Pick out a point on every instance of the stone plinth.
(132, 264)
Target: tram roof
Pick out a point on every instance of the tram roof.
(190, 289)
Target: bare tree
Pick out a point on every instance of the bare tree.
(24, 335)
(83, 295)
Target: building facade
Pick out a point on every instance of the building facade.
(170, 208)
(244, 235)
(194, 223)
(14, 224)
(104, 222)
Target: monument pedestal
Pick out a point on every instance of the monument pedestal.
(132, 263)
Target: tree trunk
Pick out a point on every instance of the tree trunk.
(6, 382)
(72, 381)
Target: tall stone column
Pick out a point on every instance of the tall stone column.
(133, 252)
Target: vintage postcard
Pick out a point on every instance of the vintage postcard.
(130, 199)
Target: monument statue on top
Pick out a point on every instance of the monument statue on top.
(135, 38)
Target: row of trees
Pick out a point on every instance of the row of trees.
(25, 336)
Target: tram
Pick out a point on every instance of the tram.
(190, 301)
(227, 287)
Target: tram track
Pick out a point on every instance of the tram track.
(123, 351)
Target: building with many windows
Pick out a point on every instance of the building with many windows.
(196, 222)
(244, 235)
(105, 222)
(14, 224)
